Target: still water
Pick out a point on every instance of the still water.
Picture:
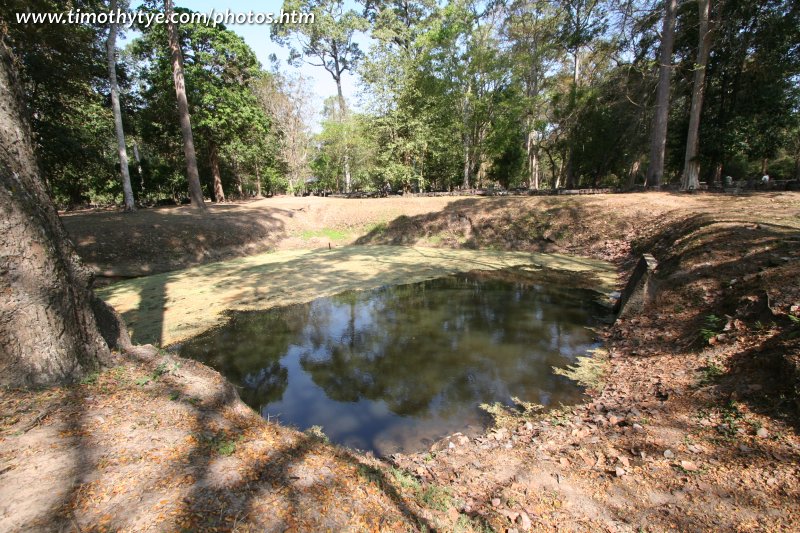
(394, 369)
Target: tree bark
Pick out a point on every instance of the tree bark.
(239, 187)
(48, 331)
(467, 164)
(632, 173)
(570, 182)
(258, 183)
(219, 193)
(343, 111)
(465, 139)
(138, 165)
(691, 168)
(658, 137)
(717, 179)
(193, 175)
(111, 50)
(533, 161)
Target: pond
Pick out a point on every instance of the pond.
(395, 368)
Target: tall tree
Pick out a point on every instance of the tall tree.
(658, 134)
(48, 330)
(327, 43)
(691, 164)
(221, 73)
(111, 49)
(530, 29)
(583, 21)
(287, 102)
(62, 70)
(193, 174)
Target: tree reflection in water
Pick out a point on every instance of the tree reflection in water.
(420, 357)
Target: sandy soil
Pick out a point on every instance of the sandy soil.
(694, 425)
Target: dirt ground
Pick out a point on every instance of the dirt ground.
(693, 426)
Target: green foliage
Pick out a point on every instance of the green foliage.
(226, 447)
(731, 419)
(158, 371)
(436, 497)
(63, 73)
(458, 93)
(328, 233)
(90, 379)
(221, 72)
(405, 480)
(710, 373)
(712, 326)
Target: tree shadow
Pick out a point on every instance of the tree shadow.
(193, 238)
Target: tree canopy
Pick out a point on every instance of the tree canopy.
(453, 94)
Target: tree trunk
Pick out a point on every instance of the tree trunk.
(632, 174)
(553, 169)
(239, 187)
(193, 175)
(48, 331)
(467, 163)
(797, 168)
(764, 162)
(465, 137)
(111, 49)
(570, 170)
(691, 168)
(658, 137)
(258, 183)
(138, 158)
(343, 111)
(219, 193)
(717, 178)
(533, 161)
(576, 74)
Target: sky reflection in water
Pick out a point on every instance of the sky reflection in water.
(395, 368)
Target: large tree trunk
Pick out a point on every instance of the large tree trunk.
(111, 49)
(48, 331)
(193, 175)
(658, 137)
(570, 181)
(691, 168)
(533, 161)
(239, 186)
(467, 163)
(465, 138)
(632, 174)
(343, 111)
(219, 193)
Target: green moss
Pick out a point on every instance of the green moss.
(327, 233)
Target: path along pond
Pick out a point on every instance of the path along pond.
(394, 368)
